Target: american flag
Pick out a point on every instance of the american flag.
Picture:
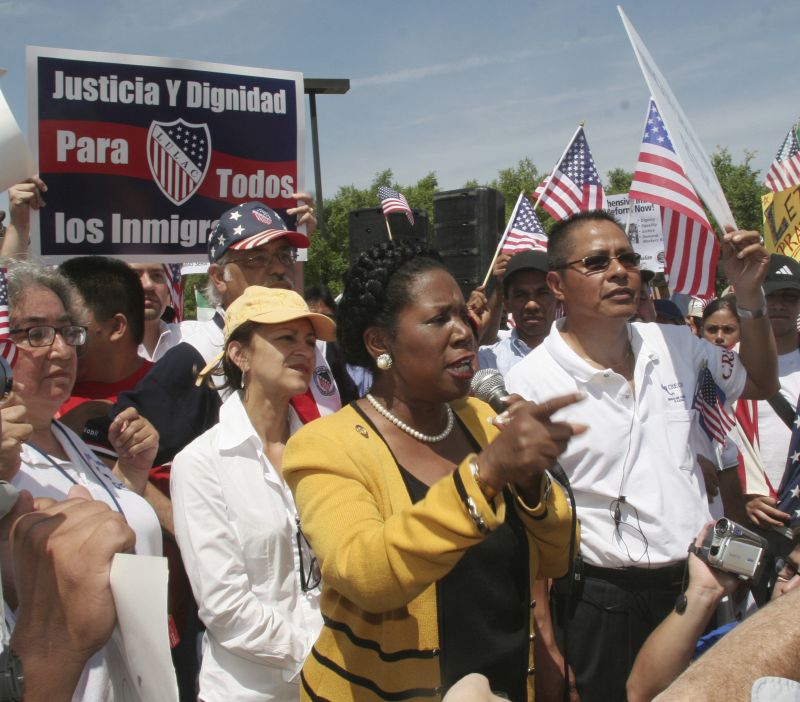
(524, 231)
(789, 492)
(393, 201)
(784, 171)
(691, 249)
(175, 286)
(709, 400)
(574, 185)
(8, 349)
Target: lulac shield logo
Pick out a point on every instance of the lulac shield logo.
(178, 154)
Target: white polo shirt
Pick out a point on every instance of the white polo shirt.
(637, 446)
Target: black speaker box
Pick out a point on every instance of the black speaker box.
(468, 226)
(367, 227)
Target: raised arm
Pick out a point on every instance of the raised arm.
(746, 263)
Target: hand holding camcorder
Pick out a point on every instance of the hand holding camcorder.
(731, 548)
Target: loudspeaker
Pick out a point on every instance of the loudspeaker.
(468, 226)
(367, 228)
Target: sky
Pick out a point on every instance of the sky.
(464, 88)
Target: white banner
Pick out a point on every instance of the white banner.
(696, 163)
(643, 227)
(16, 161)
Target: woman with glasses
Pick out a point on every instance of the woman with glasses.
(45, 324)
(253, 574)
(429, 523)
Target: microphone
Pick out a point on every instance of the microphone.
(489, 385)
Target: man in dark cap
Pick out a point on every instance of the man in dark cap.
(532, 307)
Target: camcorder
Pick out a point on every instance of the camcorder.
(732, 548)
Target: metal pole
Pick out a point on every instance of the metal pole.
(312, 98)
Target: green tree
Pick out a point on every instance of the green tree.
(742, 187)
(619, 181)
(524, 177)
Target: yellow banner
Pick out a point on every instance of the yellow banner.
(782, 222)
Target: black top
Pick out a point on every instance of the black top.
(484, 603)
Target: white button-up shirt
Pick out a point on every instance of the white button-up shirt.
(235, 522)
(168, 336)
(638, 446)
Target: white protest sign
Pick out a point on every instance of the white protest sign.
(642, 224)
(138, 654)
(693, 156)
(16, 162)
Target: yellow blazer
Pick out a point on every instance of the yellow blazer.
(381, 555)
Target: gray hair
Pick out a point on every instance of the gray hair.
(24, 275)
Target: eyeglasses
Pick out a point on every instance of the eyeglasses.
(45, 334)
(262, 259)
(597, 263)
(310, 574)
(785, 569)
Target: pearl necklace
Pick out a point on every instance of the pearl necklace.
(418, 435)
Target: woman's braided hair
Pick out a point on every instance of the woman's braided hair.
(376, 288)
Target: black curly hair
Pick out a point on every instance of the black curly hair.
(376, 288)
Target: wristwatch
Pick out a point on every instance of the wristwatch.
(753, 314)
(12, 681)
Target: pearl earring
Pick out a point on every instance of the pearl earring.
(384, 361)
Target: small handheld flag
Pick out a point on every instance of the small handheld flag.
(574, 185)
(709, 401)
(784, 171)
(8, 349)
(394, 201)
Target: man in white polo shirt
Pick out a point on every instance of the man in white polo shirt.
(640, 494)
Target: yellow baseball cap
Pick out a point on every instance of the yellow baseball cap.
(273, 306)
(269, 306)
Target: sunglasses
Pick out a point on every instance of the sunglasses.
(310, 572)
(596, 263)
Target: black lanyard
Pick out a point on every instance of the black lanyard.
(86, 462)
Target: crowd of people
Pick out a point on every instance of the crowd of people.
(343, 520)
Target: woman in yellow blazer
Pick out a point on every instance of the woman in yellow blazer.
(428, 521)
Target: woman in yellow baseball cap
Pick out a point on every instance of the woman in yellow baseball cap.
(253, 574)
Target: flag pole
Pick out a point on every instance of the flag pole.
(630, 200)
(558, 163)
(503, 239)
(388, 227)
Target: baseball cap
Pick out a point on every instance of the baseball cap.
(273, 306)
(696, 307)
(269, 306)
(248, 226)
(525, 261)
(668, 310)
(783, 274)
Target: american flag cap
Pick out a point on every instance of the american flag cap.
(248, 226)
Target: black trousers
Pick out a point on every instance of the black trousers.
(612, 614)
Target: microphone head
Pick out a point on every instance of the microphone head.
(487, 383)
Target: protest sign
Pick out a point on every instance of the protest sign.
(16, 162)
(642, 224)
(782, 222)
(142, 154)
(694, 158)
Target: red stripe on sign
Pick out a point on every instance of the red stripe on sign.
(242, 178)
